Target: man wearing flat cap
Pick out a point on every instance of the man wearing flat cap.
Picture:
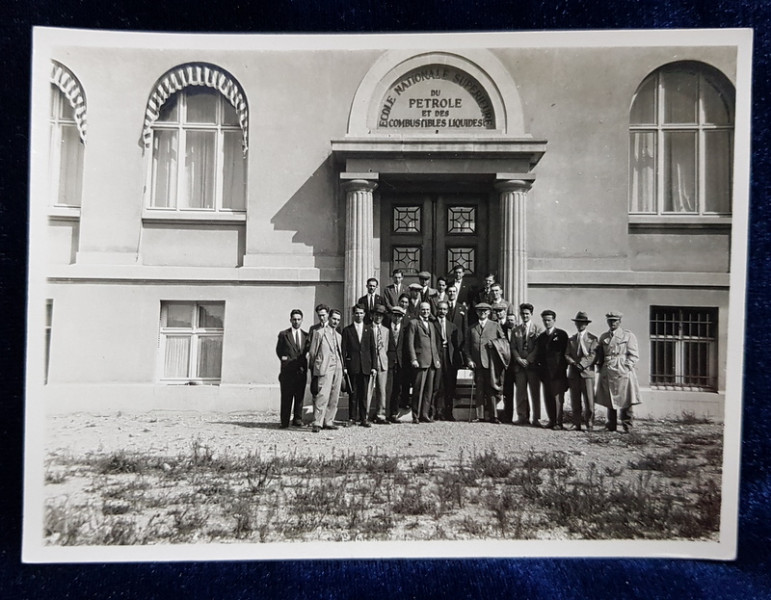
(427, 293)
(480, 358)
(413, 308)
(618, 389)
(580, 356)
(551, 346)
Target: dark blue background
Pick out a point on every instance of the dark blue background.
(748, 577)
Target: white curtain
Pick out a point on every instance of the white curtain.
(177, 356)
(643, 156)
(199, 169)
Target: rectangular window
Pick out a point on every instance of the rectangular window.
(191, 336)
(684, 348)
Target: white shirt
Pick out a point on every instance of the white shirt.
(359, 329)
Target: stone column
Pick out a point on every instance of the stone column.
(359, 240)
(513, 259)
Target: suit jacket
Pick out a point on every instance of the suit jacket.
(391, 296)
(297, 361)
(381, 352)
(435, 300)
(519, 340)
(454, 341)
(422, 344)
(325, 344)
(574, 356)
(465, 293)
(359, 357)
(428, 296)
(396, 346)
(551, 356)
(364, 301)
(477, 339)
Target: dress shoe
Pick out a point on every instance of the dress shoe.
(297, 423)
(450, 417)
(426, 420)
(380, 421)
(331, 427)
(537, 424)
(495, 421)
(476, 420)
(315, 429)
(393, 420)
(549, 425)
(283, 426)
(574, 428)
(610, 428)
(365, 424)
(415, 420)
(521, 422)
(558, 427)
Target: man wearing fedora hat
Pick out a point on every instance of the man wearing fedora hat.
(618, 389)
(478, 351)
(580, 355)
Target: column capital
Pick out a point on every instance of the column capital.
(514, 185)
(354, 182)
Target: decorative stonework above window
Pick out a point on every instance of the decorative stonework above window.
(407, 259)
(461, 219)
(406, 219)
(70, 87)
(201, 75)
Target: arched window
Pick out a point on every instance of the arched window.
(67, 120)
(681, 142)
(196, 126)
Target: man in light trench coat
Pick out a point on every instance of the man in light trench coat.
(618, 389)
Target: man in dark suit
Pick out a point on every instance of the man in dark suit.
(551, 346)
(292, 350)
(399, 379)
(509, 326)
(359, 360)
(441, 294)
(478, 346)
(462, 287)
(450, 344)
(457, 311)
(524, 359)
(392, 291)
(423, 351)
(370, 300)
(580, 356)
(427, 293)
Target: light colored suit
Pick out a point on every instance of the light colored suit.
(580, 359)
(523, 347)
(422, 345)
(477, 350)
(326, 362)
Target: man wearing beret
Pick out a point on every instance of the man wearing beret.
(618, 389)
(479, 341)
(551, 346)
(580, 356)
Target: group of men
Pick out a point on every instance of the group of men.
(404, 349)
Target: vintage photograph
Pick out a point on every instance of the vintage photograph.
(386, 295)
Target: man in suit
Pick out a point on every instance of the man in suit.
(441, 294)
(359, 360)
(322, 312)
(292, 350)
(552, 344)
(398, 367)
(499, 304)
(525, 362)
(451, 357)
(413, 305)
(370, 300)
(392, 291)
(326, 360)
(462, 287)
(580, 356)
(427, 293)
(509, 326)
(382, 342)
(423, 350)
(483, 295)
(478, 346)
(457, 311)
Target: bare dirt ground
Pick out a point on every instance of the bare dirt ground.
(174, 477)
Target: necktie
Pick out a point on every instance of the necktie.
(297, 338)
(379, 339)
(444, 332)
(371, 303)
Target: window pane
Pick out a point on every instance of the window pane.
(199, 169)
(234, 179)
(717, 171)
(680, 171)
(696, 363)
(177, 357)
(179, 314)
(211, 315)
(663, 361)
(210, 357)
(715, 105)
(165, 167)
(406, 219)
(644, 104)
(70, 166)
(229, 113)
(461, 219)
(642, 168)
(680, 91)
(201, 105)
(170, 110)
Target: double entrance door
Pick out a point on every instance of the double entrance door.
(434, 232)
